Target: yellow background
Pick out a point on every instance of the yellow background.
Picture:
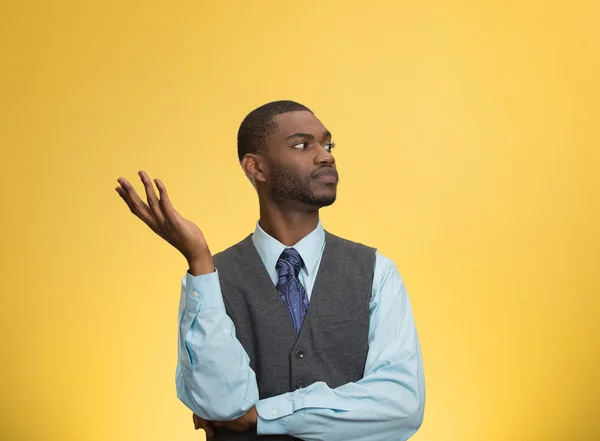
(468, 151)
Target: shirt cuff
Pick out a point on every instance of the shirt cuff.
(203, 291)
(272, 413)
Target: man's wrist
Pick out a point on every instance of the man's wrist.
(201, 265)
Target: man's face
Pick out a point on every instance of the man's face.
(300, 165)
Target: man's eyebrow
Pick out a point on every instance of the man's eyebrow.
(301, 135)
(327, 134)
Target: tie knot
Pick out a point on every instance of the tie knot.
(289, 262)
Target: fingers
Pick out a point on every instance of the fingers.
(200, 423)
(210, 432)
(151, 197)
(165, 202)
(135, 204)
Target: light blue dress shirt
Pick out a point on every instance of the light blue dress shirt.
(215, 381)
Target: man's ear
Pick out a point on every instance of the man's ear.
(253, 167)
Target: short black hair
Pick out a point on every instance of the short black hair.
(259, 124)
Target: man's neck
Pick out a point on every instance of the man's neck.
(288, 227)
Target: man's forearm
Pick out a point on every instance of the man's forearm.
(388, 404)
(211, 360)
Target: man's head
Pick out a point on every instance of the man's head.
(285, 152)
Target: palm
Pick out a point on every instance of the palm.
(191, 236)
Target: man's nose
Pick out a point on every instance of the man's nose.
(324, 158)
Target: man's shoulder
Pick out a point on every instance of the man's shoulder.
(385, 264)
(234, 250)
(331, 238)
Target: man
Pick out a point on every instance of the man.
(292, 333)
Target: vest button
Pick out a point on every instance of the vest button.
(299, 354)
(300, 385)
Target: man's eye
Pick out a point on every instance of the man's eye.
(302, 145)
(329, 146)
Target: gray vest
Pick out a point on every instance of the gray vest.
(333, 342)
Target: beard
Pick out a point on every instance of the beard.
(286, 186)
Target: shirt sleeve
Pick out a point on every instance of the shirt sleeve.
(213, 376)
(387, 403)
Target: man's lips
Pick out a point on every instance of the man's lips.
(327, 174)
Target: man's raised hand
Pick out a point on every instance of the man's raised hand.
(162, 218)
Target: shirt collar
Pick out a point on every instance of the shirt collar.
(310, 247)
